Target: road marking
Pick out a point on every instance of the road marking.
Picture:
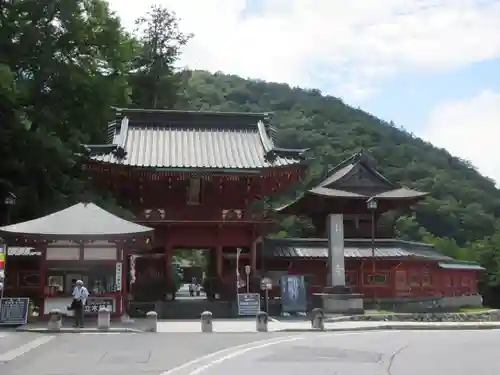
(238, 353)
(23, 349)
(222, 352)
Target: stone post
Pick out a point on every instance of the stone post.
(55, 321)
(103, 319)
(318, 319)
(262, 321)
(151, 322)
(206, 322)
(336, 264)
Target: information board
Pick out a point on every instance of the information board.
(293, 294)
(14, 311)
(248, 304)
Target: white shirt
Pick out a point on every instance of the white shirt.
(81, 294)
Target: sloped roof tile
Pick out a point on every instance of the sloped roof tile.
(191, 139)
(353, 248)
(82, 220)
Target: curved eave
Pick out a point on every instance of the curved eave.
(391, 199)
(74, 236)
(401, 194)
(111, 163)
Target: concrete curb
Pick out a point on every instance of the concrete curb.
(76, 330)
(399, 328)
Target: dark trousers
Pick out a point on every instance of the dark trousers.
(78, 310)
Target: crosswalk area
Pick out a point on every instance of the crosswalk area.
(15, 344)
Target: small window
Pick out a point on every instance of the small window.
(426, 278)
(377, 279)
(448, 281)
(414, 279)
(465, 281)
(194, 192)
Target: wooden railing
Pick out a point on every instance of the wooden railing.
(199, 213)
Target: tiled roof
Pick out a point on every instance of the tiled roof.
(353, 248)
(82, 220)
(175, 139)
(356, 178)
(461, 266)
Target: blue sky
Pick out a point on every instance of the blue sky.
(430, 66)
(407, 99)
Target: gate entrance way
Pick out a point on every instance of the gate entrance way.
(192, 266)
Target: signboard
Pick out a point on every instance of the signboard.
(266, 284)
(14, 311)
(293, 294)
(3, 256)
(93, 305)
(248, 304)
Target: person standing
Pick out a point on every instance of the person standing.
(80, 295)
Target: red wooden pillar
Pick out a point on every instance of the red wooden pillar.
(169, 249)
(218, 253)
(43, 279)
(253, 256)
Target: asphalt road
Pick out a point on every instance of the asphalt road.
(375, 353)
(369, 353)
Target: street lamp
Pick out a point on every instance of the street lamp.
(248, 269)
(372, 204)
(10, 200)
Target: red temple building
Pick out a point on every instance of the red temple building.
(197, 179)
(377, 265)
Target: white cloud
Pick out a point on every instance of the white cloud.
(469, 129)
(344, 47)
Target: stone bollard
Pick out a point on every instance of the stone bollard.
(206, 322)
(262, 321)
(152, 322)
(318, 319)
(55, 321)
(103, 319)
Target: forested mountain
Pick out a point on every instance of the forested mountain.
(463, 205)
(63, 64)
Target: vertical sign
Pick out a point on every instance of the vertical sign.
(336, 267)
(118, 276)
(293, 294)
(3, 260)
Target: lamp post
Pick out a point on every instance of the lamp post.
(248, 269)
(10, 200)
(238, 252)
(3, 258)
(372, 204)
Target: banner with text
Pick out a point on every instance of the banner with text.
(293, 293)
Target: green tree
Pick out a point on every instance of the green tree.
(62, 64)
(154, 79)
